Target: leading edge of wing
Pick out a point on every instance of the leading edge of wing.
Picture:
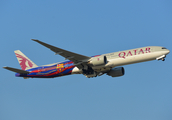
(76, 58)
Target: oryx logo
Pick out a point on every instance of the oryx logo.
(24, 62)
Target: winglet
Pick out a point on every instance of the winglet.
(34, 39)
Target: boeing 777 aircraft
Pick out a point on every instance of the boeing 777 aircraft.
(89, 66)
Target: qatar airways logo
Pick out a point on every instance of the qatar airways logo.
(24, 62)
(134, 52)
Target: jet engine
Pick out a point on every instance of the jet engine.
(116, 72)
(99, 60)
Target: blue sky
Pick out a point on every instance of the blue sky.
(89, 28)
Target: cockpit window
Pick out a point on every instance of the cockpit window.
(164, 48)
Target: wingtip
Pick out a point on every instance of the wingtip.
(5, 67)
(34, 39)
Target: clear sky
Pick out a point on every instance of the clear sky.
(90, 28)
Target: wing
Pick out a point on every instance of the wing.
(16, 70)
(76, 58)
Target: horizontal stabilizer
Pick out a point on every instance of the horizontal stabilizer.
(16, 70)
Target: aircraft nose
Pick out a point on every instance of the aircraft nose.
(168, 51)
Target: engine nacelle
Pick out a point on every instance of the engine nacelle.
(99, 60)
(116, 72)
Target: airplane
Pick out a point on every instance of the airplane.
(94, 66)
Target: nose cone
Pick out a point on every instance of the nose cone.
(168, 51)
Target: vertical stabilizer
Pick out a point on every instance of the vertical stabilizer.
(24, 61)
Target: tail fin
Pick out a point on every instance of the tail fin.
(24, 61)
